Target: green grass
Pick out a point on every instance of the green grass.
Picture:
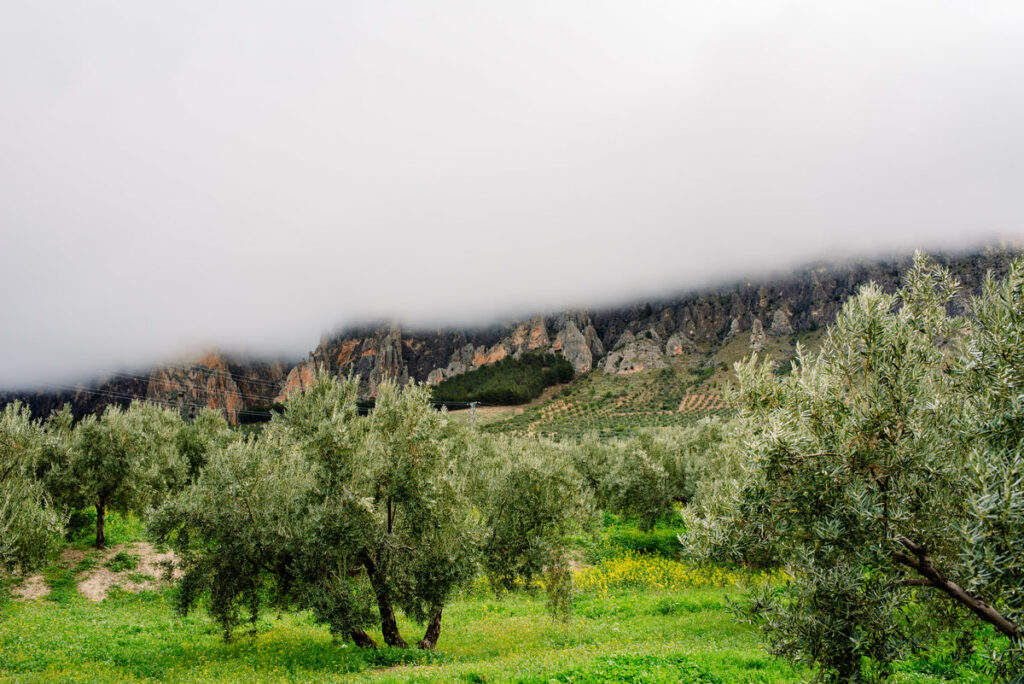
(618, 535)
(119, 528)
(122, 561)
(140, 638)
(624, 635)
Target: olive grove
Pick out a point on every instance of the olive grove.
(885, 473)
(355, 517)
(30, 524)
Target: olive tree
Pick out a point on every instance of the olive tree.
(991, 381)
(393, 502)
(531, 499)
(858, 480)
(197, 438)
(248, 504)
(30, 525)
(354, 518)
(125, 460)
(645, 476)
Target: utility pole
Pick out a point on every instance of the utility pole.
(472, 414)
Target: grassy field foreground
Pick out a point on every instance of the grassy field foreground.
(640, 616)
(637, 619)
(654, 635)
(619, 634)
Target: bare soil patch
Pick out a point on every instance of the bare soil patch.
(149, 573)
(34, 587)
(72, 557)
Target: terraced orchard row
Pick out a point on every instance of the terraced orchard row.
(613, 405)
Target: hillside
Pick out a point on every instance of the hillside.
(649, 363)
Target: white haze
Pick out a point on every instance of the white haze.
(248, 174)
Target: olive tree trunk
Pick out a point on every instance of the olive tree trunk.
(429, 640)
(101, 514)
(379, 583)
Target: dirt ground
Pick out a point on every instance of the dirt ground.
(101, 579)
(95, 583)
(32, 588)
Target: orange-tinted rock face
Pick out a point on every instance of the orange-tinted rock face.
(206, 383)
(497, 353)
(212, 382)
(300, 378)
(538, 336)
(346, 352)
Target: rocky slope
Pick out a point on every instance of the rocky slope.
(213, 380)
(625, 340)
(617, 341)
(392, 352)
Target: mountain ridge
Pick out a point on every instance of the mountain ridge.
(615, 340)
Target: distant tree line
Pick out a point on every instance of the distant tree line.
(509, 381)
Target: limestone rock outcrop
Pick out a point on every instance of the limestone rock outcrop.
(678, 344)
(780, 323)
(635, 353)
(757, 336)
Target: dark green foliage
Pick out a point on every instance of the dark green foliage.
(260, 413)
(701, 374)
(678, 669)
(509, 381)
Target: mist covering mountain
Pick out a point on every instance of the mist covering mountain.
(620, 341)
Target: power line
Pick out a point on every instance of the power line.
(225, 371)
(134, 397)
(195, 367)
(252, 397)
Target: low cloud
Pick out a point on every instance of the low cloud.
(247, 175)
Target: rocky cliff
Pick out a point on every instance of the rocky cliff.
(617, 341)
(433, 356)
(214, 380)
(624, 340)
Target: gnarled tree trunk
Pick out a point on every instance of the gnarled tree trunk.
(362, 639)
(388, 621)
(429, 640)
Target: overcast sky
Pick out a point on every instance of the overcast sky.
(248, 174)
